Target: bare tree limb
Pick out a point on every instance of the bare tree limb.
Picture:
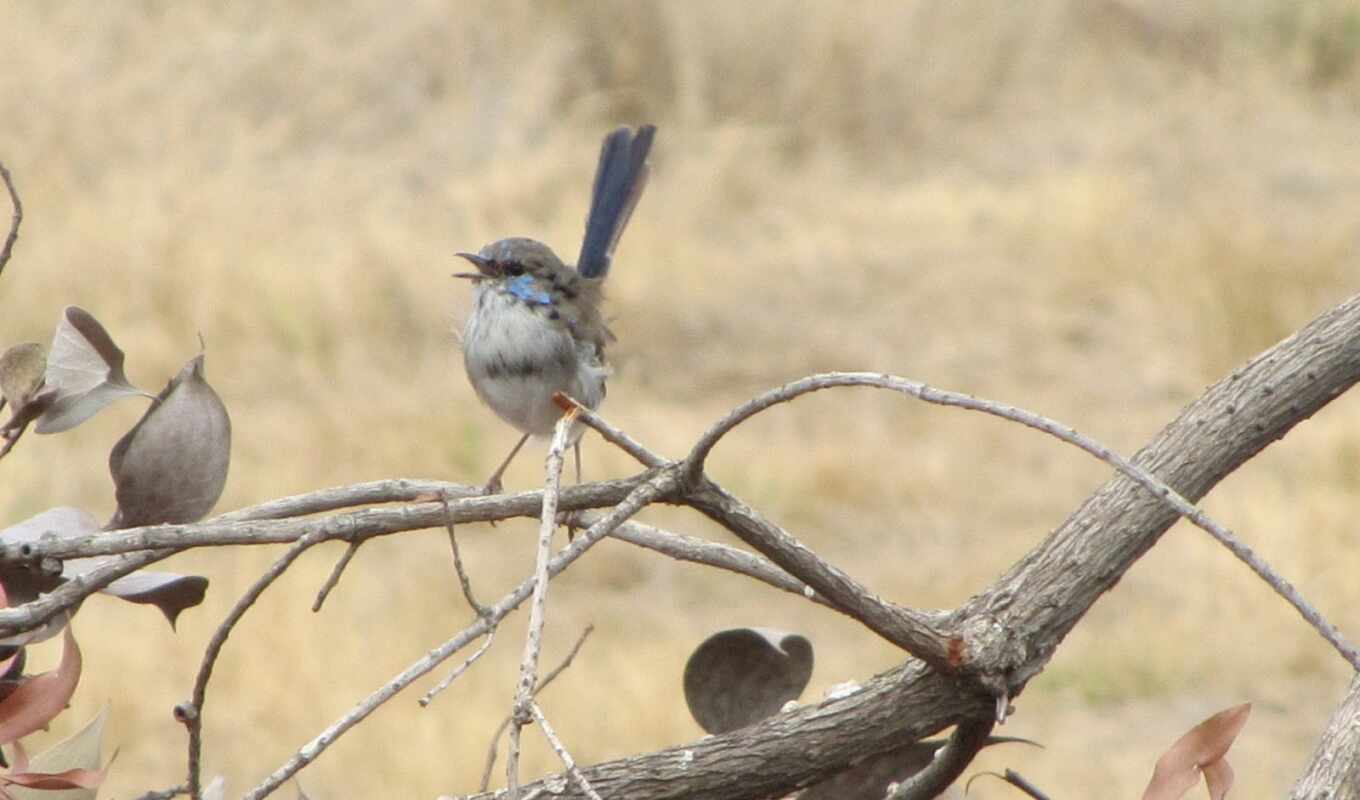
(1334, 772)
(1017, 623)
(1012, 629)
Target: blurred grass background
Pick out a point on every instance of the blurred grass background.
(1091, 209)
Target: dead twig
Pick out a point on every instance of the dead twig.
(543, 684)
(16, 218)
(533, 640)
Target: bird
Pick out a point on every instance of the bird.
(536, 327)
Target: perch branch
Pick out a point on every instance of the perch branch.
(1014, 627)
(533, 639)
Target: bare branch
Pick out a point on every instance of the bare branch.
(710, 554)
(655, 486)
(543, 684)
(15, 220)
(459, 670)
(194, 719)
(464, 581)
(949, 762)
(533, 639)
(567, 761)
(1334, 772)
(612, 434)
(334, 577)
(915, 631)
(1048, 591)
(694, 466)
(399, 490)
(1012, 629)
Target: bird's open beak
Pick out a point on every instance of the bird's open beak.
(483, 266)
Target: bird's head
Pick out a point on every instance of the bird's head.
(509, 258)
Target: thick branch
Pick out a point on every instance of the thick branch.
(794, 749)
(1334, 773)
(1013, 628)
(1017, 623)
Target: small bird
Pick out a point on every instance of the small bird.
(535, 327)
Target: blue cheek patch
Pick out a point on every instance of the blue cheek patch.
(524, 287)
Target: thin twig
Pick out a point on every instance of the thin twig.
(396, 490)
(1014, 779)
(194, 719)
(654, 486)
(694, 464)
(336, 572)
(464, 581)
(610, 433)
(543, 684)
(15, 220)
(533, 640)
(968, 738)
(710, 554)
(459, 670)
(164, 794)
(562, 753)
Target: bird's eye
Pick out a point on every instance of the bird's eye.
(512, 268)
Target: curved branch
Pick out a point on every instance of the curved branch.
(1334, 772)
(1016, 624)
(964, 744)
(194, 717)
(1014, 627)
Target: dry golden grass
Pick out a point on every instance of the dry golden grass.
(1089, 209)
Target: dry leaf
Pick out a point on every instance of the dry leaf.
(1200, 750)
(171, 467)
(743, 675)
(75, 759)
(84, 369)
(40, 698)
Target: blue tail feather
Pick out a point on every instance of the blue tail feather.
(619, 181)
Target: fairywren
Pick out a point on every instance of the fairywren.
(535, 327)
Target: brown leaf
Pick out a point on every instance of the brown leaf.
(42, 697)
(85, 369)
(171, 467)
(168, 591)
(1202, 748)
(75, 759)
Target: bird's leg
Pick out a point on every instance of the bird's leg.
(493, 484)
